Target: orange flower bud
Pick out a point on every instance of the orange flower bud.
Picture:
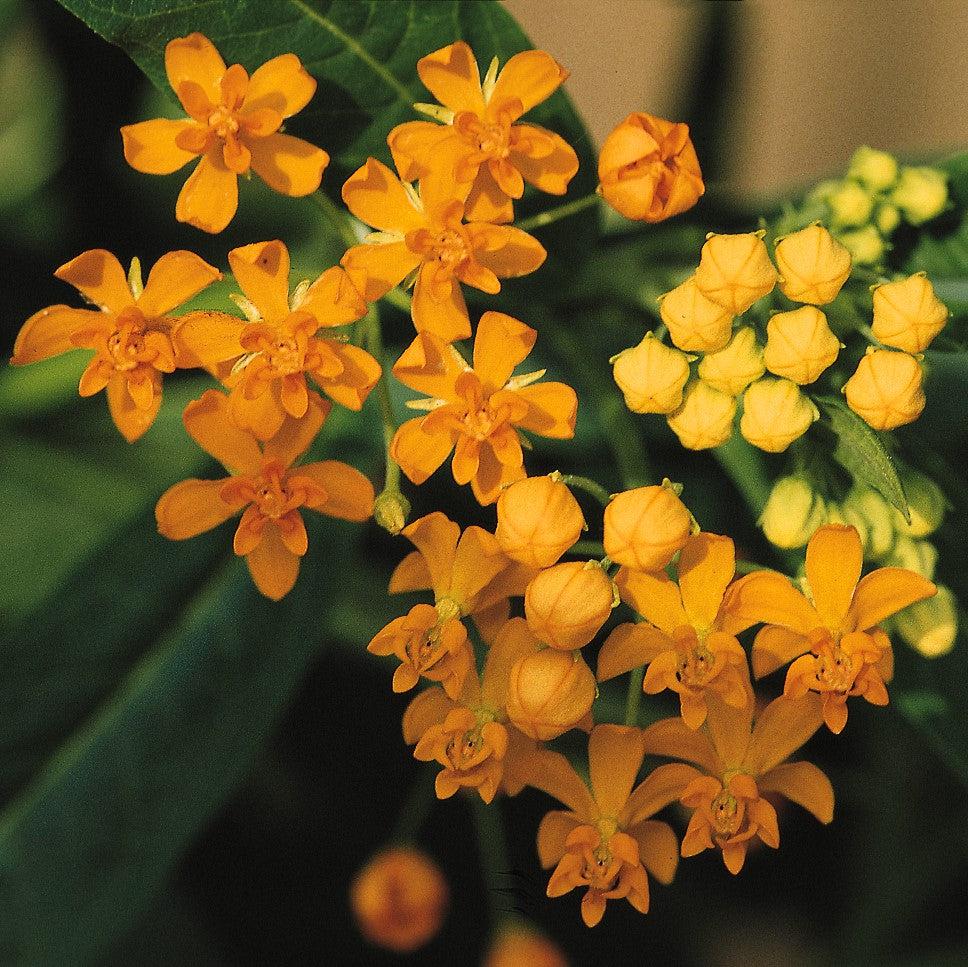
(886, 390)
(549, 693)
(517, 946)
(645, 527)
(399, 899)
(907, 313)
(705, 418)
(695, 322)
(813, 265)
(775, 413)
(567, 604)
(651, 376)
(648, 169)
(735, 270)
(538, 519)
(800, 345)
(732, 369)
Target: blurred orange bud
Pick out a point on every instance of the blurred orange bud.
(735, 270)
(907, 313)
(651, 376)
(645, 527)
(800, 345)
(705, 418)
(538, 519)
(732, 369)
(568, 603)
(399, 899)
(813, 265)
(549, 693)
(886, 390)
(648, 169)
(775, 413)
(517, 946)
(695, 322)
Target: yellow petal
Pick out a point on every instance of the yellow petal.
(501, 343)
(782, 727)
(654, 596)
(288, 165)
(834, 561)
(207, 338)
(349, 495)
(150, 146)
(431, 366)
(552, 833)
(429, 707)
(418, 453)
(98, 275)
(775, 646)
(174, 279)
(48, 333)
(375, 195)
(209, 423)
(435, 536)
(629, 646)
(514, 642)
(419, 146)
(486, 202)
(507, 252)
(296, 435)
(549, 169)
(729, 729)
(769, 597)
(376, 269)
(262, 271)
(411, 574)
(804, 784)
(552, 773)
(530, 78)
(443, 314)
(660, 787)
(209, 198)
(552, 410)
(262, 415)
(674, 739)
(195, 59)
(706, 566)
(886, 591)
(452, 76)
(192, 507)
(280, 84)
(333, 300)
(359, 375)
(615, 754)
(658, 848)
(274, 568)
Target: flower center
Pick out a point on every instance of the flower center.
(463, 749)
(272, 496)
(449, 248)
(727, 813)
(223, 123)
(490, 138)
(835, 669)
(696, 666)
(285, 356)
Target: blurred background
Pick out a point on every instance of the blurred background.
(779, 93)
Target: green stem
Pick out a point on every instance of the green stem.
(556, 214)
(589, 486)
(587, 549)
(338, 220)
(374, 345)
(400, 299)
(416, 807)
(746, 467)
(492, 846)
(634, 696)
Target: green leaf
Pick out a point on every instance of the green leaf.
(861, 452)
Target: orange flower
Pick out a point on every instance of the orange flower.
(469, 735)
(470, 577)
(567, 604)
(689, 637)
(645, 527)
(833, 635)
(648, 169)
(606, 839)
(479, 143)
(478, 412)
(271, 533)
(739, 761)
(279, 346)
(425, 233)
(234, 125)
(517, 945)
(130, 331)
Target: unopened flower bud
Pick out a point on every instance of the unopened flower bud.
(926, 505)
(921, 194)
(878, 515)
(399, 899)
(866, 245)
(851, 204)
(775, 413)
(567, 604)
(391, 510)
(695, 323)
(549, 693)
(735, 270)
(644, 527)
(800, 345)
(875, 170)
(517, 946)
(918, 556)
(651, 376)
(930, 627)
(813, 265)
(907, 313)
(705, 418)
(886, 389)
(793, 511)
(732, 369)
(538, 519)
(648, 168)
(887, 218)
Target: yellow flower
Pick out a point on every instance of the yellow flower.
(813, 265)
(793, 511)
(732, 369)
(695, 322)
(926, 504)
(538, 519)
(800, 345)
(850, 204)
(705, 418)
(549, 692)
(734, 271)
(866, 245)
(907, 313)
(921, 194)
(645, 527)
(567, 604)
(886, 390)
(875, 170)
(651, 376)
(775, 413)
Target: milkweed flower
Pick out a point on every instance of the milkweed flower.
(645, 526)
(775, 413)
(735, 271)
(651, 376)
(606, 839)
(705, 417)
(908, 314)
(793, 512)
(567, 604)
(517, 945)
(549, 692)
(399, 899)
(813, 265)
(800, 345)
(695, 322)
(734, 367)
(832, 637)
(266, 485)
(738, 761)
(648, 168)
(425, 232)
(233, 126)
(279, 346)
(479, 142)
(478, 411)
(688, 638)
(887, 389)
(130, 330)
(921, 194)
(930, 627)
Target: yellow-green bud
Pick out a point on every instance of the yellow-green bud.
(930, 627)
(926, 504)
(878, 515)
(875, 170)
(813, 265)
(732, 369)
(918, 556)
(651, 376)
(866, 245)
(824, 189)
(391, 510)
(921, 194)
(800, 345)
(792, 513)
(887, 218)
(695, 322)
(907, 313)
(851, 204)
(775, 413)
(705, 418)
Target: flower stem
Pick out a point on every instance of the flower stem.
(589, 486)
(338, 220)
(556, 214)
(416, 807)
(746, 468)
(587, 549)
(634, 696)
(493, 850)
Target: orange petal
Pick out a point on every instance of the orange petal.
(707, 563)
(209, 198)
(192, 507)
(195, 59)
(802, 783)
(774, 646)
(654, 596)
(174, 279)
(376, 196)
(552, 773)
(886, 591)
(478, 559)
(132, 420)
(262, 415)
(544, 159)
(552, 833)
(501, 343)
(435, 536)
(296, 435)
(281, 84)
(430, 365)
(660, 787)
(507, 252)
(629, 646)
(768, 597)
(834, 561)
(658, 849)
(288, 165)
(445, 317)
(486, 201)
(207, 338)
(98, 275)
(209, 423)
(530, 78)
(376, 269)
(729, 729)
(411, 574)
(418, 147)
(333, 300)
(615, 754)
(360, 374)
(274, 568)
(674, 739)
(349, 495)
(429, 707)
(418, 453)
(512, 643)
(452, 76)
(493, 475)
(552, 410)
(150, 146)
(262, 271)
(48, 333)
(782, 727)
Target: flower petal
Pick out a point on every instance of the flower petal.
(615, 754)
(529, 77)
(707, 563)
(834, 561)
(552, 833)
(192, 507)
(775, 646)
(654, 596)
(262, 271)
(544, 159)
(660, 787)
(376, 269)
(419, 453)
(288, 165)
(629, 646)
(552, 410)
(729, 729)
(804, 784)
(429, 707)
(781, 728)
(769, 597)
(552, 773)
(132, 420)
(210, 197)
(281, 84)
(411, 574)
(507, 252)
(419, 146)
(174, 279)
(674, 739)
(333, 300)
(296, 435)
(262, 415)
(274, 568)
(513, 642)
(501, 343)
(349, 495)
(435, 536)
(451, 74)
(150, 147)
(477, 561)
(658, 848)
(98, 276)
(360, 373)
(207, 338)
(486, 201)
(430, 365)
(444, 316)
(209, 423)
(48, 333)
(376, 196)
(886, 591)
(195, 59)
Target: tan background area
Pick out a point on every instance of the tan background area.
(810, 79)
